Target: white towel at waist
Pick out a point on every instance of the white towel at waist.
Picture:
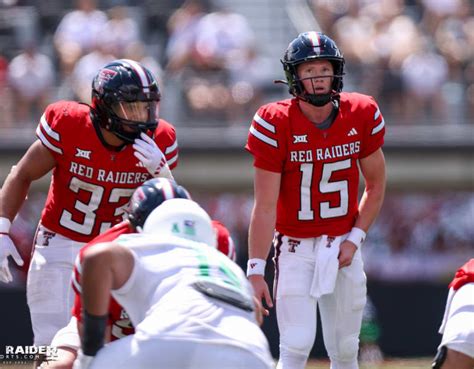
(327, 266)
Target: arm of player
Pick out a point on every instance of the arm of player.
(262, 225)
(105, 267)
(373, 170)
(33, 165)
(77, 306)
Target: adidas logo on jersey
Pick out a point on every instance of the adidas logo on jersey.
(352, 132)
(86, 154)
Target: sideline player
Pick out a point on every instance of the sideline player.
(191, 306)
(98, 155)
(456, 350)
(307, 153)
(145, 198)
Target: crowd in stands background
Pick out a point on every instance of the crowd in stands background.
(415, 56)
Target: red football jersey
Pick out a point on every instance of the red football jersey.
(320, 175)
(91, 184)
(118, 317)
(225, 243)
(464, 275)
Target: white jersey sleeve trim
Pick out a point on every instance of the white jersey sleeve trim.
(379, 127)
(172, 147)
(263, 138)
(377, 114)
(259, 120)
(173, 160)
(53, 134)
(231, 251)
(75, 282)
(45, 142)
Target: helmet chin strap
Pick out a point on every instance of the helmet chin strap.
(320, 99)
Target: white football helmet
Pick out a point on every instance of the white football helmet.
(182, 218)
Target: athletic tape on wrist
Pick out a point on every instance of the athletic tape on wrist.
(256, 266)
(5, 225)
(357, 236)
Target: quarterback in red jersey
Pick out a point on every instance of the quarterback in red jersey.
(456, 350)
(98, 155)
(146, 198)
(307, 154)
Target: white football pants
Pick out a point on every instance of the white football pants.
(340, 311)
(459, 330)
(48, 288)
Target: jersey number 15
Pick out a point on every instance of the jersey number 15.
(325, 186)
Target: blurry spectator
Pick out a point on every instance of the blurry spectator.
(378, 36)
(182, 28)
(120, 31)
(77, 33)
(224, 39)
(424, 73)
(137, 51)
(86, 68)
(454, 38)
(31, 77)
(217, 60)
(5, 95)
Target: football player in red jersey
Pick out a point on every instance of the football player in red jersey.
(307, 153)
(98, 155)
(145, 198)
(456, 350)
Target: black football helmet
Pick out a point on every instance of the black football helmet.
(125, 98)
(149, 196)
(312, 46)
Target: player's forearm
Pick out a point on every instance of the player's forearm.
(33, 165)
(13, 194)
(96, 282)
(261, 230)
(370, 205)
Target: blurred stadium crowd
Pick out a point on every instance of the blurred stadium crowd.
(217, 66)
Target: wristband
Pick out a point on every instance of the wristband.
(256, 266)
(5, 225)
(94, 332)
(357, 236)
